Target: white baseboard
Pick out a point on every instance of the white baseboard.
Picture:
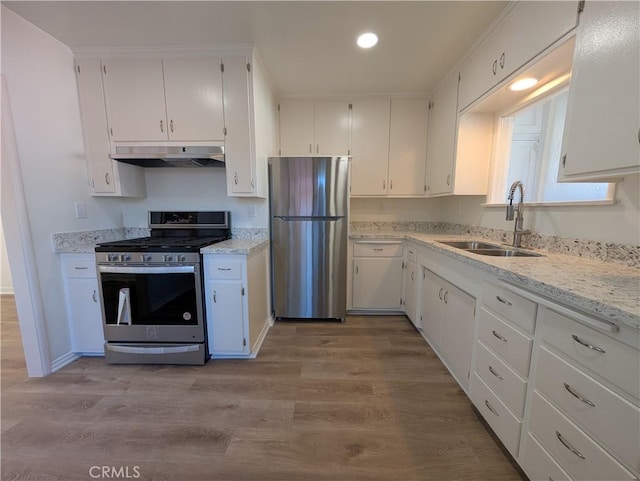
(263, 334)
(63, 360)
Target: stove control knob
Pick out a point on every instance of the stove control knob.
(125, 258)
(146, 257)
(182, 258)
(112, 257)
(168, 258)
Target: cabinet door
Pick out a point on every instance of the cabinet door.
(432, 317)
(408, 146)
(601, 131)
(331, 119)
(94, 125)
(227, 335)
(239, 148)
(193, 88)
(410, 285)
(457, 332)
(86, 315)
(442, 138)
(370, 146)
(296, 128)
(377, 283)
(134, 92)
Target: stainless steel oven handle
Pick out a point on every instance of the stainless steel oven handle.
(147, 270)
(153, 350)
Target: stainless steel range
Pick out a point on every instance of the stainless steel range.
(151, 289)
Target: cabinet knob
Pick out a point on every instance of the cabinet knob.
(94, 296)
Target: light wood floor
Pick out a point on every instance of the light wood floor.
(366, 400)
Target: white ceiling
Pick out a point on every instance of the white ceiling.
(308, 47)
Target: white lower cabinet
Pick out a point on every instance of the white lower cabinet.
(377, 275)
(447, 322)
(409, 297)
(236, 303)
(83, 303)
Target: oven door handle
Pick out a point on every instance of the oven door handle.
(147, 270)
(153, 350)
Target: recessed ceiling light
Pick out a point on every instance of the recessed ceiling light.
(523, 84)
(367, 40)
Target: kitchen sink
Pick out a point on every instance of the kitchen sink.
(502, 252)
(467, 245)
(485, 249)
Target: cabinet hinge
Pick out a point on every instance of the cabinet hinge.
(425, 187)
(78, 69)
(459, 77)
(430, 105)
(350, 106)
(111, 131)
(248, 67)
(401, 301)
(224, 130)
(581, 6)
(279, 151)
(403, 264)
(222, 67)
(564, 160)
(349, 152)
(278, 107)
(242, 291)
(244, 341)
(104, 69)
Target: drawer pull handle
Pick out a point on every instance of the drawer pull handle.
(500, 299)
(486, 403)
(503, 339)
(440, 293)
(378, 249)
(578, 396)
(568, 446)
(586, 344)
(81, 268)
(224, 268)
(495, 373)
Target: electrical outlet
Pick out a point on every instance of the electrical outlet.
(81, 210)
(253, 211)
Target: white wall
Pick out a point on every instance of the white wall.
(6, 284)
(192, 189)
(41, 85)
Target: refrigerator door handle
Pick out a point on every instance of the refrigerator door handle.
(291, 218)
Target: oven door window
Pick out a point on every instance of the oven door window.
(150, 299)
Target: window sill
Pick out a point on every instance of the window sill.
(557, 204)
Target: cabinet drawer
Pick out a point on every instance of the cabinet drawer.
(80, 269)
(377, 249)
(225, 270)
(412, 254)
(576, 452)
(538, 463)
(502, 380)
(514, 308)
(506, 426)
(511, 345)
(611, 359)
(603, 413)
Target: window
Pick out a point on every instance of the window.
(529, 148)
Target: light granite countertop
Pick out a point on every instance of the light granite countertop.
(236, 246)
(606, 290)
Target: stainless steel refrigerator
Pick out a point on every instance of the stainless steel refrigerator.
(309, 204)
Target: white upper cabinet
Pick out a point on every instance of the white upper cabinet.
(193, 89)
(370, 146)
(314, 127)
(408, 146)
(106, 176)
(134, 92)
(154, 99)
(601, 136)
(527, 30)
(331, 118)
(442, 138)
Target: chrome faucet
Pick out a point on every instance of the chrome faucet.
(518, 232)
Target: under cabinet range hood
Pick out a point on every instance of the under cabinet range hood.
(211, 155)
